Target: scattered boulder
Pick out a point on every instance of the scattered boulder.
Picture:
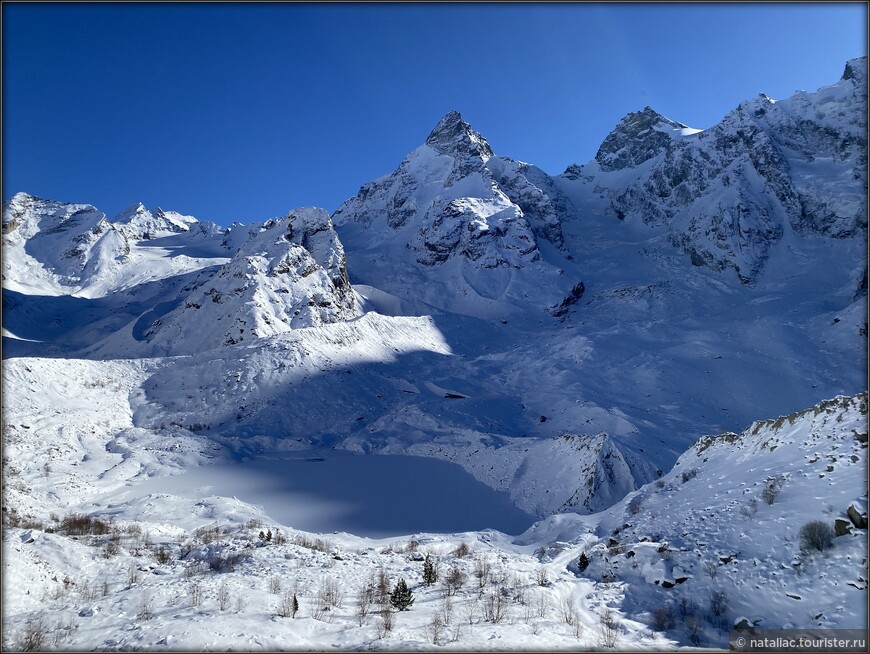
(858, 515)
(842, 526)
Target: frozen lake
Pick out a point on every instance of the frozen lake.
(368, 495)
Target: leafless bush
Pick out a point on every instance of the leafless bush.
(494, 607)
(195, 593)
(364, 599)
(609, 630)
(386, 622)
(435, 630)
(315, 544)
(816, 535)
(223, 597)
(382, 590)
(462, 550)
(33, 636)
(543, 605)
(163, 555)
(686, 607)
(228, 562)
(79, 524)
(718, 603)
(482, 572)
(275, 585)
(694, 629)
(146, 610)
(330, 594)
(541, 576)
(772, 488)
(711, 568)
(454, 580)
(241, 604)
(132, 575)
(569, 611)
(635, 505)
(689, 474)
(663, 618)
(289, 605)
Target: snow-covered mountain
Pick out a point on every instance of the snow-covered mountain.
(535, 347)
(730, 193)
(288, 274)
(480, 226)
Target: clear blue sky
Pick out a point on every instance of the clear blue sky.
(242, 112)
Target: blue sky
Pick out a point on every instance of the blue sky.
(242, 112)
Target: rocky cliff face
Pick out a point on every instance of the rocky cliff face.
(452, 198)
(288, 273)
(729, 193)
(61, 245)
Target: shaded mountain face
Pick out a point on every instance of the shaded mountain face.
(729, 193)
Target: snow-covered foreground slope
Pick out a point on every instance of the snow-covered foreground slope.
(158, 565)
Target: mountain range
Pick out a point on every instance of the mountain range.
(563, 339)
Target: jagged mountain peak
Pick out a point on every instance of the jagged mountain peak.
(856, 69)
(638, 137)
(453, 136)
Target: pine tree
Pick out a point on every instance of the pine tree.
(430, 572)
(295, 605)
(583, 562)
(401, 597)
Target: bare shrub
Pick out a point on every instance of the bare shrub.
(330, 594)
(635, 505)
(718, 603)
(382, 589)
(364, 599)
(711, 568)
(386, 622)
(494, 607)
(275, 585)
(289, 606)
(482, 572)
(541, 576)
(689, 474)
(816, 535)
(694, 629)
(163, 555)
(772, 488)
(609, 630)
(435, 630)
(462, 550)
(195, 593)
(663, 618)
(33, 636)
(146, 610)
(223, 597)
(543, 605)
(454, 580)
(132, 575)
(316, 544)
(80, 524)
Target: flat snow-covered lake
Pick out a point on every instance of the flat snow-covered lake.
(368, 495)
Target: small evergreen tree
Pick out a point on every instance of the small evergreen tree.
(401, 597)
(295, 606)
(430, 572)
(583, 562)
